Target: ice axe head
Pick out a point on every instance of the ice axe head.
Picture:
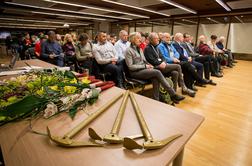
(149, 144)
(110, 138)
(67, 142)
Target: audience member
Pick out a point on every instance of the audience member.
(139, 68)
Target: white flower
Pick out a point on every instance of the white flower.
(13, 78)
(51, 109)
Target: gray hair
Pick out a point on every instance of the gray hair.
(133, 35)
(123, 32)
(152, 35)
(177, 35)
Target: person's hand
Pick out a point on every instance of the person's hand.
(148, 66)
(189, 59)
(162, 65)
(113, 60)
(51, 56)
(175, 60)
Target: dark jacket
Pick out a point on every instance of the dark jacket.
(152, 56)
(220, 45)
(180, 50)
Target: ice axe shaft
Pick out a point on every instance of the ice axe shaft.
(66, 141)
(117, 124)
(149, 143)
(85, 122)
(113, 136)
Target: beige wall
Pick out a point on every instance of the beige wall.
(162, 28)
(240, 38)
(143, 29)
(190, 29)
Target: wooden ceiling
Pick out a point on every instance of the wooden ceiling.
(85, 13)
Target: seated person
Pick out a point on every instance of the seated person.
(204, 50)
(37, 48)
(84, 53)
(184, 58)
(216, 51)
(220, 45)
(106, 57)
(122, 44)
(69, 51)
(205, 60)
(51, 50)
(139, 68)
(156, 59)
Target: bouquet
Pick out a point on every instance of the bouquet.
(46, 93)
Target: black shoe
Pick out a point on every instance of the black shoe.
(176, 98)
(188, 92)
(200, 84)
(212, 83)
(217, 75)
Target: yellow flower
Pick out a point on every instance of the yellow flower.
(55, 87)
(73, 81)
(85, 80)
(40, 92)
(70, 89)
(12, 99)
(2, 118)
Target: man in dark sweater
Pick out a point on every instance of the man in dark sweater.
(154, 57)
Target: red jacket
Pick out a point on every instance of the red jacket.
(204, 49)
(37, 48)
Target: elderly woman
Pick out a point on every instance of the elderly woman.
(139, 68)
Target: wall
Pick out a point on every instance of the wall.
(240, 38)
(190, 29)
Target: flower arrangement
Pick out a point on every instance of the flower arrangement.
(47, 93)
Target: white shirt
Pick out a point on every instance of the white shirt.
(120, 48)
(104, 52)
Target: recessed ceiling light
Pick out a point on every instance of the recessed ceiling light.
(41, 21)
(220, 2)
(239, 19)
(135, 7)
(68, 11)
(179, 6)
(65, 15)
(97, 8)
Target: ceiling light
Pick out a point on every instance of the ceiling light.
(41, 21)
(210, 19)
(178, 23)
(157, 23)
(97, 8)
(220, 2)
(179, 6)
(68, 11)
(64, 15)
(190, 21)
(32, 25)
(18, 27)
(239, 19)
(135, 7)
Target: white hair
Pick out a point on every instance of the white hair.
(133, 35)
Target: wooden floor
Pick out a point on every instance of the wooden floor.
(225, 137)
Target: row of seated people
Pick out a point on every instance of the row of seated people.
(158, 60)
